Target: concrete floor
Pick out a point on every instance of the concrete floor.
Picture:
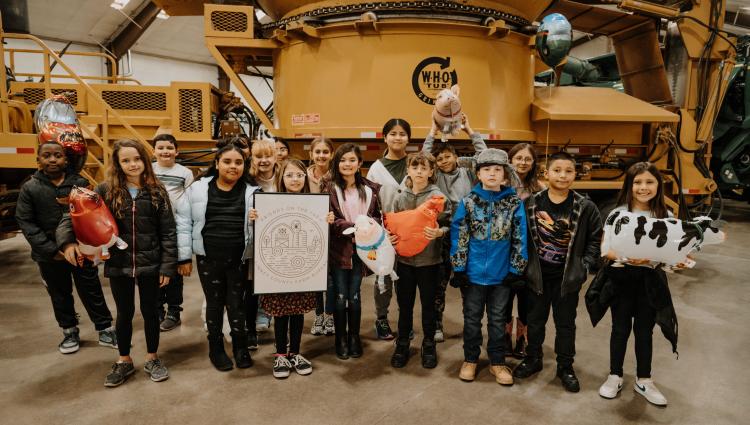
(709, 384)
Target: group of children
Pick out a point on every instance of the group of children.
(502, 235)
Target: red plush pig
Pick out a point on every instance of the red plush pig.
(93, 224)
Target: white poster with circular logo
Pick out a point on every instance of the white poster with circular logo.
(291, 242)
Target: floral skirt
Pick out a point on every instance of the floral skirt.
(288, 304)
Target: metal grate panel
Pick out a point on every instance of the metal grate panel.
(191, 110)
(32, 96)
(228, 21)
(136, 100)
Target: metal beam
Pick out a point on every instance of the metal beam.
(133, 30)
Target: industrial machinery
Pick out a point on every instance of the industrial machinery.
(343, 68)
(109, 107)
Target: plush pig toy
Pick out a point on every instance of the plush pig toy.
(374, 248)
(447, 112)
(662, 240)
(93, 224)
(409, 225)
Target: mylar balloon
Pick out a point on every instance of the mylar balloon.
(553, 39)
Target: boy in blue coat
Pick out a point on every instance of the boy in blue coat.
(488, 253)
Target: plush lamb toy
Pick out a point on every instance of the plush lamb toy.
(374, 248)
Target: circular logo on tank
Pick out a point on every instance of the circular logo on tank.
(432, 75)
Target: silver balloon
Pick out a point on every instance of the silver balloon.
(554, 38)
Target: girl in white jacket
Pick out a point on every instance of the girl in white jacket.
(214, 224)
(389, 172)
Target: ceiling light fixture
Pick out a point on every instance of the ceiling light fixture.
(162, 15)
(119, 4)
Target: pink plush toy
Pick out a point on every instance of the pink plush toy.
(447, 112)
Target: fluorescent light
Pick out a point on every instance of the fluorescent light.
(119, 4)
(162, 15)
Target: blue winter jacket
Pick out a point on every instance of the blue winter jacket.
(488, 236)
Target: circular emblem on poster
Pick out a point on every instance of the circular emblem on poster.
(291, 245)
(432, 75)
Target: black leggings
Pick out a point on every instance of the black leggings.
(251, 307)
(123, 290)
(426, 278)
(523, 307)
(223, 282)
(293, 326)
(631, 310)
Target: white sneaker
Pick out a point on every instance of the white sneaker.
(439, 335)
(317, 327)
(611, 387)
(647, 389)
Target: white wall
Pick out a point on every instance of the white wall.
(34, 62)
(149, 70)
(153, 71)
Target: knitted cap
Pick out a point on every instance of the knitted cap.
(492, 157)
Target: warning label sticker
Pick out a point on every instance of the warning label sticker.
(304, 119)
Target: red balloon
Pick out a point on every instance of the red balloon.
(93, 223)
(409, 225)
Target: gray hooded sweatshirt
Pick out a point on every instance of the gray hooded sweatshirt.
(407, 200)
(457, 184)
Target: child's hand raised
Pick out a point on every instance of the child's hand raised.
(434, 130)
(465, 125)
(432, 233)
(330, 217)
(252, 215)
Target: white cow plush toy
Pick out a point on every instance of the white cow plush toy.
(661, 240)
(374, 248)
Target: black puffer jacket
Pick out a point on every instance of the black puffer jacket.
(149, 232)
(41, 206)
(584, 252)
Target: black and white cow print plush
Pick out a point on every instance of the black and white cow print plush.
(661, 240)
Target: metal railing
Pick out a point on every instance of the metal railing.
(49, 55)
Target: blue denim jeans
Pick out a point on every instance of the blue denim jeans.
(477, 298)
(346, 287)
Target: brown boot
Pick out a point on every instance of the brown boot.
(502, 374)
(508, 339)
(519, 351)
(468, 371)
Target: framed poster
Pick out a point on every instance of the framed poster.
(291, 242)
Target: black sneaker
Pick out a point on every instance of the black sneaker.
(569, 379)
(281, 367)
(429, 354)
(108, 338)
(252, 342)
(119, 374)
(528, 367)
(383, 329)
(171, 321)
(71, 341)
(401, 354)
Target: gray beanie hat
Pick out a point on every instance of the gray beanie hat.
(492, 156)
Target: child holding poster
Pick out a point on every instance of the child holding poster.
(288, 309)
